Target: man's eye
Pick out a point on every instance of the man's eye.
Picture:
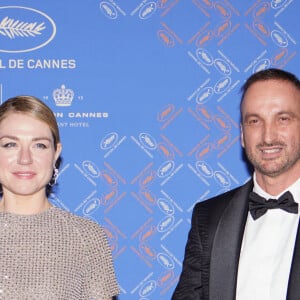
(252, 121)
(284, 119)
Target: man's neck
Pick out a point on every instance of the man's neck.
(274, 185)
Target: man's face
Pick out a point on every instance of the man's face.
(270, 129)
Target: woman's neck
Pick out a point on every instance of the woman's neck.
(24, 205)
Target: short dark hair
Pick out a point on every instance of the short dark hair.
(269, 74)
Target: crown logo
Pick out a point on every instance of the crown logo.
(63, 96)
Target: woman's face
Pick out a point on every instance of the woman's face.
(27, 155)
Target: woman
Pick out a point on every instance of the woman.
(46, 252)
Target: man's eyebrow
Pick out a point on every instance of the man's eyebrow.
(247, 115)
(286, 112)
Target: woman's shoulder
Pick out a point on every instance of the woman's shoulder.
(80, 223)
(83, 234)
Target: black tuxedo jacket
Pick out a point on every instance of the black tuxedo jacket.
(212, 251)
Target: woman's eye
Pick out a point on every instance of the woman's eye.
(40, 146)
(9, 145)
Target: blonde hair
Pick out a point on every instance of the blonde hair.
(33, 107)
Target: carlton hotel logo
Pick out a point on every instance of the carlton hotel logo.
(63, 96)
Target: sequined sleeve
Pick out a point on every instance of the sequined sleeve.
(99, 280)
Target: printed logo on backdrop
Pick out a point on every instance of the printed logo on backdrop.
(114, 235)
(107, 181)
(111, 9)
(63, 96)
(222, 178)
(277, 4)
(281, 44)
(262, 62)
(145, 10)
(108, 10)
(110, 142)
(24, 29)
(219, 132)
(201, 37)
(64, 99)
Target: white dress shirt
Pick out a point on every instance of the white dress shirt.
(267, 250)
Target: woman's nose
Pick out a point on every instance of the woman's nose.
(25, 157)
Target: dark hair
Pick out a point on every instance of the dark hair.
(37, 109)
(269, 74)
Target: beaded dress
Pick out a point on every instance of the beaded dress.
(54, 255)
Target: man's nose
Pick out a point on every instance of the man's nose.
(269, 132)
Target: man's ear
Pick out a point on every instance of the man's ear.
(242, 136)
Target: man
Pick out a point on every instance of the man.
(230, 253)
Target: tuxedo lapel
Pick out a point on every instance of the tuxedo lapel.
(226, 246)
(294, 280)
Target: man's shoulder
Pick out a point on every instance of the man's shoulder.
(223, 199)
(208, 212)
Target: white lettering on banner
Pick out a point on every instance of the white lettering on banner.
(38, 64)
(76, 119)
(256, 60)
(59, 114)
(285, 33)
(62, 124)
(87, 115)
(16, 63)
(1, 65)
(79, 124)
(198, 89)
(138, 7)
(283, 4)
(142, 282)
(51, 64)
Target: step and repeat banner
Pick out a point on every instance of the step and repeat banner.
(146, 96)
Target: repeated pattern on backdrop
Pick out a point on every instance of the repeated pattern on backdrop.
(146, 95)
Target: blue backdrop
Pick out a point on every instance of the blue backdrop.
(146, 95)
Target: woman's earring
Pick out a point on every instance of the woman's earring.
(54, 177)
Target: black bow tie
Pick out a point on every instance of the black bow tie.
(258, 205)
